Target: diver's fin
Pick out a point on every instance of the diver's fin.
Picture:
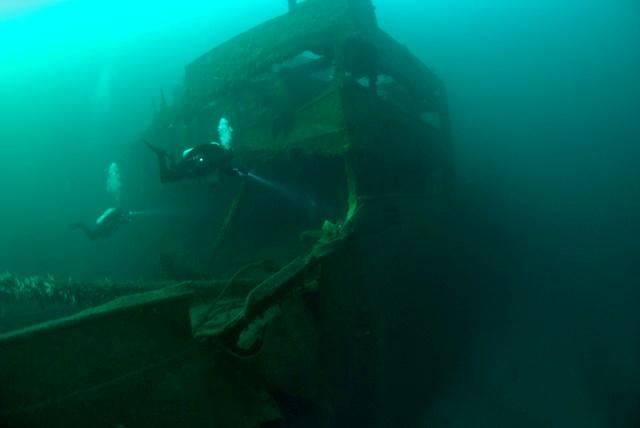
(83, 227)
(157, 150)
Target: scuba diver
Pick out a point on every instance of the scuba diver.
(198, 162)
(105, 225)
(113, 217)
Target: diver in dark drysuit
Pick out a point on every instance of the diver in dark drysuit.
(105, 225)
(197, 163)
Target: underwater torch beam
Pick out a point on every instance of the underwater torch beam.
(231, 213)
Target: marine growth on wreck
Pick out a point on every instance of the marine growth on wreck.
(332, 150)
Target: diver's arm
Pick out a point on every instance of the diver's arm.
(234, 172)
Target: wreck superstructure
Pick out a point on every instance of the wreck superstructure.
(324, 102)
(314, 96)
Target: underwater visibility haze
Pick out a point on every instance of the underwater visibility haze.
(528, 310)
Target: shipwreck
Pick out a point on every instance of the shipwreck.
(323, 100)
